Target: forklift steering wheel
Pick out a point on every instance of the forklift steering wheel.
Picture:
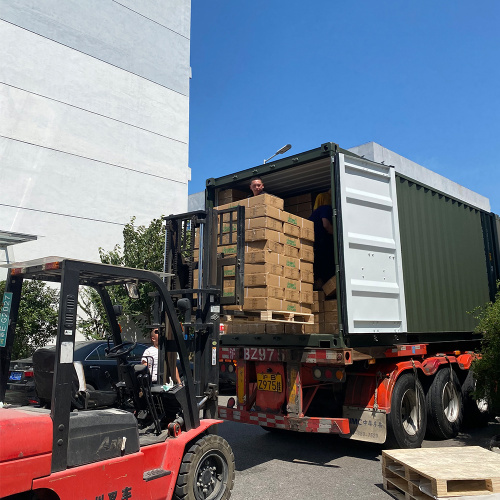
(120, 350)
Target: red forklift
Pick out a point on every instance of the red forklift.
(143, 440)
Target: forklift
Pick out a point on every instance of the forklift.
(144, 439)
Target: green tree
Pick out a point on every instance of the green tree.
(37, 317)
(142, 248)
(487, 368)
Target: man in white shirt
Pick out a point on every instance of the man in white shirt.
(150, 355)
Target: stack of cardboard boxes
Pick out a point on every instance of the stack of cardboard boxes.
(278, 257)
(325, 310)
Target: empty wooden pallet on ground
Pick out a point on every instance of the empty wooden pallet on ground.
(287, 317)
(429, 473)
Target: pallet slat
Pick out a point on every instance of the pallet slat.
(442, 472)
(287, 317)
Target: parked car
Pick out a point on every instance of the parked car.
(92, 355)
(21, 383)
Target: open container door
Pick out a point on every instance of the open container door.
(371, 273)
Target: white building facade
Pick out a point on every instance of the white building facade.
(94, 120)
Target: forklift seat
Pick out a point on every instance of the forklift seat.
(81, 398)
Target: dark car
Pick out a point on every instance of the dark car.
(21, 383)
(92, 355)
(21, 388)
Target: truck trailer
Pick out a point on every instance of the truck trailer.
(412, 263)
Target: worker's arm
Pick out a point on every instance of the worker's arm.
(327, 225)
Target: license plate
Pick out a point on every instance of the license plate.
(269, 382)
(15, 375)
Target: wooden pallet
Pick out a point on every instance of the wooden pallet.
(287, 317)
(427, 473)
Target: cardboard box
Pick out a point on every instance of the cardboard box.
(229, 271)
(230, 195)
(262, 234)
(228, 292)
(288, 262)
(271, 280)
(307, 233)
(293, 328)
(275, 328)
(330, 287)
(261, 199)
(262, 279)
(268, 245)
(306, 288)
(289, 251)
(263, 211)
(262, 256)
(291, 230)
(330, 317)
(264, 304)
(227, 249)
(292, 295)
(302, 198)
(330, 306)
(310, 329)
(306, 276)
(306, 254)
(265, 291)
(291, 273)
(306, 298)
(264, 222)
(328, 328)
(263, 268)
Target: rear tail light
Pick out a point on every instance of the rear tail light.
(28, 374)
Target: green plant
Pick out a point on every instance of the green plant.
(142, 249)
(37, 317)
(487, 368)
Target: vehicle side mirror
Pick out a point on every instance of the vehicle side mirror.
(132, 290)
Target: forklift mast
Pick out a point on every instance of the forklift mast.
(191, 247)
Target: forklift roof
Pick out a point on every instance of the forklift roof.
(92, 273)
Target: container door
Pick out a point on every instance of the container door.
(373, 273)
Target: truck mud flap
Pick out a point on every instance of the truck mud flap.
(366, 424)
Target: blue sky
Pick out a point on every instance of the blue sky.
(421, 78)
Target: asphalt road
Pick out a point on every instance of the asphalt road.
(314, 466)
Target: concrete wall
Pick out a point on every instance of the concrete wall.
(94, 128)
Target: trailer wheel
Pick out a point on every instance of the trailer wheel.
(476, 412)
(444, 405)
(207, 470)
(407, 420)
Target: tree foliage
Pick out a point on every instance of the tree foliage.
(37, 317)
(487, 368)
(142, 249)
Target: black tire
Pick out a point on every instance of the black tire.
(207, 470)
(445, 409)
(405, 425)
(476, 413)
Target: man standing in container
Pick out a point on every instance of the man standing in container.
(324, 263)
(256, 186)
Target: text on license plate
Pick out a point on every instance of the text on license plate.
(269, 382)
(15, 376)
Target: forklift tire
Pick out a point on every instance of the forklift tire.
(406, 423)
(207, 470)
(444, 405)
